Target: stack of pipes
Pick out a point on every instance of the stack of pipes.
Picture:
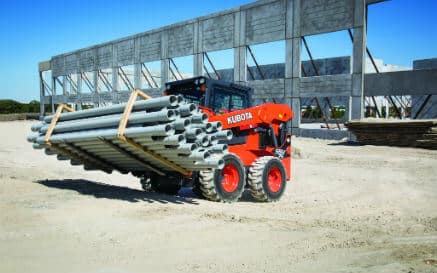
(167, 127)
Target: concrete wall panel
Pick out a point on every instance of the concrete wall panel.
(265, 23)
(71, 63)
(267, 89)
(415, 82)
(150, 47)
(326, 86)
(425, 64)
(125, 52)
(181, 40)
(58, 66)
(320, 16)
(218, 32)
(87, 60)
(104, 57)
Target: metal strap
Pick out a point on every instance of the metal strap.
(55, 119)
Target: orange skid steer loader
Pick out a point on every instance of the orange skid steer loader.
(259, 155)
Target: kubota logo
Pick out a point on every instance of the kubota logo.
(239, 117)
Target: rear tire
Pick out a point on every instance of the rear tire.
(225, 185)
(165, 184)
(267, 179)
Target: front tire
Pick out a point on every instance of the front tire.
(225, 185)
(267, 179)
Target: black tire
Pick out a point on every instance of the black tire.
(211, 185)
(165, 184)
(196, 187)
(258, 179)
(145, 184)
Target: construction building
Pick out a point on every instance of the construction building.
(110, 70)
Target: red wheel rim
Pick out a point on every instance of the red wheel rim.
(274, 179)
(230, 178)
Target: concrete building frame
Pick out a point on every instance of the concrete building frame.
(255, 23)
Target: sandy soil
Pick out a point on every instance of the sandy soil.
(347, 209)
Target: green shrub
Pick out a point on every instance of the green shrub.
(13, 107)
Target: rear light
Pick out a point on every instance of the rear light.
(247, 127)
(203, 88)
(165, 93)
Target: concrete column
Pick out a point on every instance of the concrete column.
(164, 72)
(198, 64)
(240, 64)
(79, 83)
(295, 105)
(295, 78)
(41, 96)
(288, 86)
(96, 81)
(96, 88)
(356, 101)
(240, 54)
(164, 59)
(79, 90)
(137, 65)
(115, 77)
(137, 75)
(53, 94)
(293, 51)
(198, 49)
(64, 85)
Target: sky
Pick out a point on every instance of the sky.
(399, 31)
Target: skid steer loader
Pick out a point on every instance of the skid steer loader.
(259, 151)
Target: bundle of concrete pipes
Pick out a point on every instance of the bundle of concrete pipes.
(168, 127)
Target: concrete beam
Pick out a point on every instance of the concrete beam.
(370, 2)
(415, 82)
(44, 66)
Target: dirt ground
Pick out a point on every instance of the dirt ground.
(347, 209)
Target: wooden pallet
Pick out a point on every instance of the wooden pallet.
(412, 133)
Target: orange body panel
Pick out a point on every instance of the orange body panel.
(268, 114)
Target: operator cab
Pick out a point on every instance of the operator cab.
(218, 96)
